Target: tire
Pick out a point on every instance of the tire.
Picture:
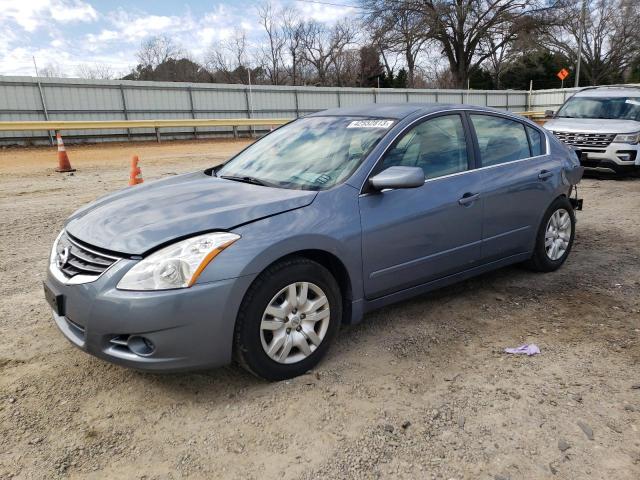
(543, 258)
(288, 326)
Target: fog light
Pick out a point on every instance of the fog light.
(140, 345)
(626, 155)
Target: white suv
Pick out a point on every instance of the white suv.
(604, 123)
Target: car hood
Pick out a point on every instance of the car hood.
(138, 219)
(592, 125)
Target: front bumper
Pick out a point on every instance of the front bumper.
(617, 157)
(188, 328)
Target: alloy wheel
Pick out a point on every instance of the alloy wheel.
(557, 234)
(295, 322)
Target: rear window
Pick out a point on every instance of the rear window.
(500, 140)
(535, 140)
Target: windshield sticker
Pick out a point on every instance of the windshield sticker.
(632, 101)
(370, 124)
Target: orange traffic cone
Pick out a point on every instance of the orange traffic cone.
(64, 165)
(135, 171)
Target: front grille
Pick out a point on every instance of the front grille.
(73, 258)
(593, 140)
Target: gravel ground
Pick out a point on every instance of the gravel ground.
(418, 390)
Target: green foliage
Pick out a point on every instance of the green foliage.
(540, 66)
(481, 79)
(401, 79)
(171, 70)
(634, 71)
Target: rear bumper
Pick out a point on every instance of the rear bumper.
(187, 328)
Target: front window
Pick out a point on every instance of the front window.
(621, 108)
(313, 153)
(437, 145)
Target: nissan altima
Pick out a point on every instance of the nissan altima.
(260, 260)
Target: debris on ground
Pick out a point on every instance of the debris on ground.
(527, 348)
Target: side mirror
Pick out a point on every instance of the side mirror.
(548, 113)
(398, 177)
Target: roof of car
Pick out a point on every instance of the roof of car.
(394, 110)
(610, 91)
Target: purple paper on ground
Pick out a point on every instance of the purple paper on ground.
(529, 349)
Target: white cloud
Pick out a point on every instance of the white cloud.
(31, 14)
(102, 37)
(138, 26)
(73, 11)
(325, 13)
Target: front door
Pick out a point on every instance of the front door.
(412, 236)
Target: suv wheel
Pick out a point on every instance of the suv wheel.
(288, 319)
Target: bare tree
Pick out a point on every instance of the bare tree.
(398, 30)
(611, 38)
(293, 30)
(389, 59)
(272, 50)
(52, 70)
(323, 45)
(346, 67)
(96, 71)
(158, 49)
(230, 58)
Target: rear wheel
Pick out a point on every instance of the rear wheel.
(555, 237)
(288, 319)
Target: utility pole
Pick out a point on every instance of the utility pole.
(250, 101)
(35, 65)
(582, 21)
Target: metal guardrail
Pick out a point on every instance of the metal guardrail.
(109, 124)
(538, 117)
(531, 114)
(156, 124)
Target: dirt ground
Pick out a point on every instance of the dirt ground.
(418, 390)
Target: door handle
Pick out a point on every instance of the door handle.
(544, 174)
(468, 198)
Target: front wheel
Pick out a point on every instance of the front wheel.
(555, 237)
(287, 320)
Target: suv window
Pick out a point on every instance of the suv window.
(500, 140)
(622, 108)
(535, 141)
(438, 146)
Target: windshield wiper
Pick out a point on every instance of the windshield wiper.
(246, 179)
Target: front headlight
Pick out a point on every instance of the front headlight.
(54, 249)
(631, 138)
(178, 265)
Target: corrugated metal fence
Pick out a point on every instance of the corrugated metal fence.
(29, 98)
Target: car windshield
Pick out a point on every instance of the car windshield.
(313, 153)
(621, 108)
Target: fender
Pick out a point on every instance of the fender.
(308, 228)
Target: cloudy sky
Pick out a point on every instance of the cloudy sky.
(70, 33)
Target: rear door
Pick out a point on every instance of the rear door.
(517, 183)
(411, 236)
